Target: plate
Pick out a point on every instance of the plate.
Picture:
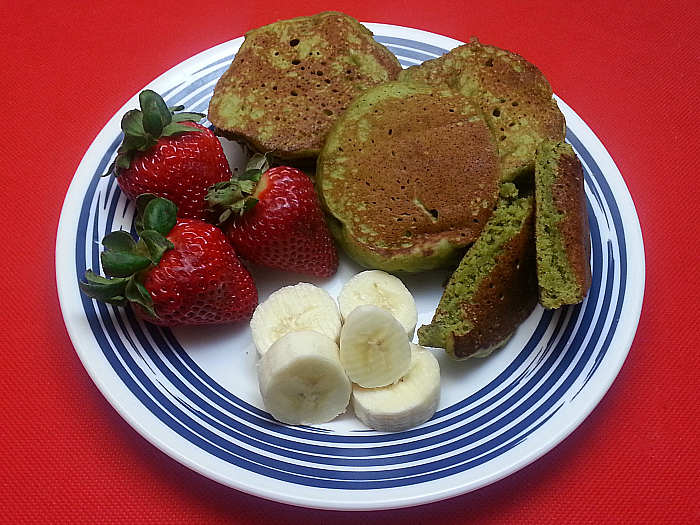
(193, 392)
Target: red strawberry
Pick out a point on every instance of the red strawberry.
(180, 272)
(170, 155)
(277, 221)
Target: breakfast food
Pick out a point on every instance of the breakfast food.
(409, 175)
(302, 381)
(304, 376)
(276, 220)
(294, 308)
(494, 288)
(292, 79)
(413, 172)
(409, 402)
(382, 289)
(180, 272)
(374, 348)
(561, 226)
(513, 94)
(166, 152)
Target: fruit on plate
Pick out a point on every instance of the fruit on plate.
(273, 218)
(302, 381)
(380, 289)
(168, 154)
(297, 330)
(374, 348)
(409, 402)
(294, 308)
(180, 272)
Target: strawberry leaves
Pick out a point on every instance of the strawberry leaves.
(111, 291)
(143, 127)
(155, 113)
(154, 213)
(236, 196)
(124, 258)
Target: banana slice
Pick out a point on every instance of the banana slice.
(380, 289)
(374, 348)
(294, 308)
(407, 403)
(302, 381)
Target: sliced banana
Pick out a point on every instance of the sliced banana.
(374, 348)
(381, 289)
(302, 381)
(294, 308)
(405, 404)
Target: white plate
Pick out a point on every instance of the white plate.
(193, 392)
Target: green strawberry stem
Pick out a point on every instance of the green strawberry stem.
(236, 196)
(124, 258)
(144, 127)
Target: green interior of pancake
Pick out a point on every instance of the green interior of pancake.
(554, 276)
(477, 263)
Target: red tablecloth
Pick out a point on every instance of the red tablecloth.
(629, 69)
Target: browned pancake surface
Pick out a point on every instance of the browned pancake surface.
(514, 95)
(408, 172)
(292, 79)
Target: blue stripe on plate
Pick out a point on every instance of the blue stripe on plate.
(403, 47)
(501, 443)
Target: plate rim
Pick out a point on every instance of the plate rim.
(133, 415)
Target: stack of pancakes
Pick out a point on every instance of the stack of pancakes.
(438, 165)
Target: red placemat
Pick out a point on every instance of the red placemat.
(629, 71)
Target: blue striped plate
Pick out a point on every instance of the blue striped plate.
(193, 392)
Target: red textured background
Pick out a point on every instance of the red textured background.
(629, 69)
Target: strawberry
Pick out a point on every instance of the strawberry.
(170, 155)
(273, 218)
(180, 272)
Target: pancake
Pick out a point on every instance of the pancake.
(562, 227)
(292, 79)
(514, 95)
(494, 288)
(409, 176)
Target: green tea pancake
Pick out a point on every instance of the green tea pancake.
(494, 288)
(409, 175)
(562, 230)
(292, 79)
(514, 95)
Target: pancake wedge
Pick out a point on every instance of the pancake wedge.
(562, 227)
(514, 95)
(409, 175)
(292, 79)
(494, 288)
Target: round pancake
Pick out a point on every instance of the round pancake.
(292, 79)
(514, 95)
(409, 175)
